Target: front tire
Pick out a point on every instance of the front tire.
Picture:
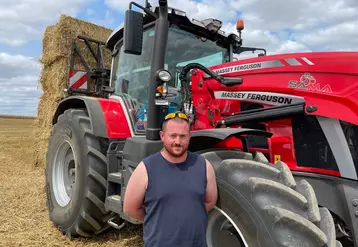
(260, 205)
(76, 172)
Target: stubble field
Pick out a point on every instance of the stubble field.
(24, 219)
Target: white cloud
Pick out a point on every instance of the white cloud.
(336, 37)
(17, 65)
(120, 5)
(25, 20)
(22, 21)
(278, 25)
(19, 90)
(19, 95)
(107, 21)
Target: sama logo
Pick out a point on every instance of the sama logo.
(308, 82)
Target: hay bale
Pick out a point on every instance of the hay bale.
(58, 39)
(54, 77)
(56, 52)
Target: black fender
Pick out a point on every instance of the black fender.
(207, 138)
(93, 107)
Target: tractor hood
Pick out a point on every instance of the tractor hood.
(324, 81)
(318, 62)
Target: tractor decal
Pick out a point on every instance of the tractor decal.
(308, 82)
(249, 66)
(260, 97)
(263, 65)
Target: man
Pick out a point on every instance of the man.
(172, 190)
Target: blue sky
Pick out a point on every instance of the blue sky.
(278, 25)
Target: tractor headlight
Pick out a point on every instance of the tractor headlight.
(164, 75)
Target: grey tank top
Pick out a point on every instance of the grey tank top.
(175, 202)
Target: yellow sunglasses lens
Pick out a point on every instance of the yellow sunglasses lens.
(183, 116)
(173, 115)
(170, 115)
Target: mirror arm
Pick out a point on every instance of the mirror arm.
(146, 10)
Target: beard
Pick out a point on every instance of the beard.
(176, 151)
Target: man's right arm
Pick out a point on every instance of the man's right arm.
(135, 191)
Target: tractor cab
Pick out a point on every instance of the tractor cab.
(184, 41)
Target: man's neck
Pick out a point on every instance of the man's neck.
(172, 159)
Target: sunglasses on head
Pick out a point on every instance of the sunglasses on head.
(176, 114)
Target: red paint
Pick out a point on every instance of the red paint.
(331, 85)
(114, 118)
(337, 70)
(72, 72)
(316, 170)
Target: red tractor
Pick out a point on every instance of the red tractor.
(281, 132)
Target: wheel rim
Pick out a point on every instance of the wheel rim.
(63, 174)
(222, 231)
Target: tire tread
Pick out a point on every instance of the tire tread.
(293, 208)
(92, 215)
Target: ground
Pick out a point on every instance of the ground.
(23, 214)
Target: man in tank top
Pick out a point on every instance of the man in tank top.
(171, 191)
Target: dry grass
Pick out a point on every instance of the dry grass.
(56, 51)
(23, 213)
(17, 117)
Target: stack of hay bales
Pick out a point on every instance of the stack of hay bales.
(55, 60)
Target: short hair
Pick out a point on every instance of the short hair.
(165, 122)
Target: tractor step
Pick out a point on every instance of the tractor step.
(115, 177)
(115, 225)
(114, 203)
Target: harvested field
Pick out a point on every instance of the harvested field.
(23, 213)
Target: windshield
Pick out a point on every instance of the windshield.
(131, 77)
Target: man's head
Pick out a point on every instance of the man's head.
(175, 134)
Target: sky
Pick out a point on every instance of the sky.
(280, 26)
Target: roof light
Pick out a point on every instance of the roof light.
(179, 12)
(211, 24)
(240, 25)
(221, 32)
(176, 11)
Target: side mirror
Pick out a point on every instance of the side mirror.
(133, 32)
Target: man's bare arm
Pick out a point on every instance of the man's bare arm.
(211, 187)
(135, 191)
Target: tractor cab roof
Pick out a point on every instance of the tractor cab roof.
(208, 28)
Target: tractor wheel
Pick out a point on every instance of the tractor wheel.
(76, 171)
(260, 204)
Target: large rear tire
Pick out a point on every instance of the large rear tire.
(76, 172)
(260, 205)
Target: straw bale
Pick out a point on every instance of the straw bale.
(58, 40)
(54, 77)
(42, 128)
(56, 52)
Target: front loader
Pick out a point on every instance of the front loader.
(164, 62)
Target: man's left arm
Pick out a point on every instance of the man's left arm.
(211, 187)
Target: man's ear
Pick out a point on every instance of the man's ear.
(161, 133)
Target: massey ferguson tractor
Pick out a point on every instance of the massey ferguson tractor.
(280, 130)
